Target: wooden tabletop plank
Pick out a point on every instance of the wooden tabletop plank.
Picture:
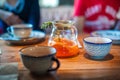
(78, 67)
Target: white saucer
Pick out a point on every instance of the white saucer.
(112, 34)
(35, 37)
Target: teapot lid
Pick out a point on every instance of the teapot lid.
(63, 24)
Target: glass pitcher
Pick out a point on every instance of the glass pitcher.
(64, 39)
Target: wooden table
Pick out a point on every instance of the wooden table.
(77, 68)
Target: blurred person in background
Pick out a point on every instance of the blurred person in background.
(92, 15)
(19, 11)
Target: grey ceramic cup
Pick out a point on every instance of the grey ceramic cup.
(39, 59)
(20, 30)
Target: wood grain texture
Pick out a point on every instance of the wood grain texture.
(80, 67)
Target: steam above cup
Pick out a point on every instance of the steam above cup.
(20, 30)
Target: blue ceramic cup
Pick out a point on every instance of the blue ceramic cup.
(97, 47)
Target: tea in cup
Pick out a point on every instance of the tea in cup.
(97, 47)
(39, 59)
(20, 30)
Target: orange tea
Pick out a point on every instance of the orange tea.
(64, 47)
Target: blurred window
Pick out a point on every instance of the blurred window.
(66, 2)
(49, 3)
(55, 3)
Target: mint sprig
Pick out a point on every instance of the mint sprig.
(48, 24)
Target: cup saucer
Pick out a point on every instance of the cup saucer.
(112, 34)
(35, 37)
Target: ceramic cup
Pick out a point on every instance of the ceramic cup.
(39, 59)
(20, 30)
(97, 47)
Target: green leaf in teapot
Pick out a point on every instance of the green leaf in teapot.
(46, 25)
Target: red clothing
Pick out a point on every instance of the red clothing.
(99, 14)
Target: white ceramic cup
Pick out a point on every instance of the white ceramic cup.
(20, 30)
(97, 47)
(39, 59)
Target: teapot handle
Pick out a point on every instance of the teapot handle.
(79, 45)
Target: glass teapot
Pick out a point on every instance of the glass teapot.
(64, 39)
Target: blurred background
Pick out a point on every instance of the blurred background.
(51, 10)
(56, 10)
(55, 3)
